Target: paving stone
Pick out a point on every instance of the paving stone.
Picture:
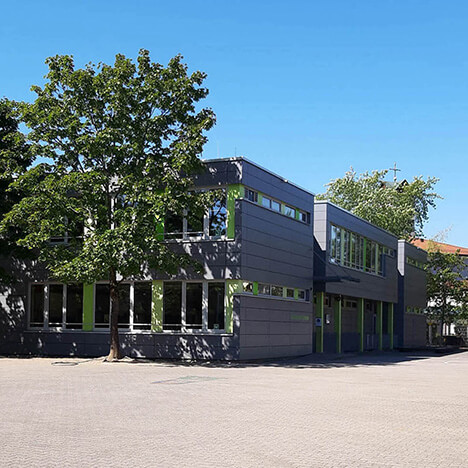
(375, 410)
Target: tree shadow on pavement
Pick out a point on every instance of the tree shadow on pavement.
(311, 361)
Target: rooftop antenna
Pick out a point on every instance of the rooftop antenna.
(395, 170)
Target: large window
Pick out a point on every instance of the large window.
(216, 306)
(61, 306)
(354, 251)
(102, 306)
(217, 218)
(56, 306)
(142, 306)
(191, 306)
(74, 313)
(36, 318)
(210, 225)
(172, 305)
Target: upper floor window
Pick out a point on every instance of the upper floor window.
(211, 224)
(289, 211)
(354, 251)
(251, 195)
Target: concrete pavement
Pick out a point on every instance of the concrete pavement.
(383, 410)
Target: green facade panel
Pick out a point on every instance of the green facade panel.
(88, 307)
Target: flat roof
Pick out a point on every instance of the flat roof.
(356, 216)
(242, 158)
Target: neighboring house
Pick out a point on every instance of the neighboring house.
(284, 276)
(446, 248)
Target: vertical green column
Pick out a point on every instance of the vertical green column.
(380, 324)
(390, 323)
(319, 313)
(232, 287)
(360, 309)
(234, 191)
(255, 288)
(157, 306)
(337, 308)
(88, 307)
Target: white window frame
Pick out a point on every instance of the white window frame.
(203, 235)
(183, 313)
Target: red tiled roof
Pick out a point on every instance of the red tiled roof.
(446, 248)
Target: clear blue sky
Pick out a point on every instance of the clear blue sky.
(304, 88)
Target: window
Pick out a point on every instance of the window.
(216, 306)
(354, 251)
(272, 204)
(142, 306)
(290, 292)
(124, 306)
(335, 245)
(194, 293)
(217, 218)
(301, 294)
(350, 304)
(36, 318)
(101, 306)
(55, 305)
(248, 287)
(211, 224)
(74, 314)
(251, 195)
(275, 206)
(173, 226)
(193, 306)
(415, 263)
(172, 306)
(73, 230)
(266, 202)
(289, 211)
(264, 289)
(304, 217)
(277, 291)
(194, 223)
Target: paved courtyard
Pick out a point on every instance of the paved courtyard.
(378, 410)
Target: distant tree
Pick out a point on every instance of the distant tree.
(15, 157)
(401, 208)
(121, 144)
(447, 288)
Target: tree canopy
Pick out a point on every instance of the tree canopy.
(14, 160)
(447, 286)
(118, 146)
(401, 208)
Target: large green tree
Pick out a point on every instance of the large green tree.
(447, 287)
(15, 158)
(401, 208)
(119, 146)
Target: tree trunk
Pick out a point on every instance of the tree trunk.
(114, 352)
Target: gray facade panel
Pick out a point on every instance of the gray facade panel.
(272, 335)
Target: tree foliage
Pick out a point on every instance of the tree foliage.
(401, 208)
(447, 286)
(14, 160)
(118, 145)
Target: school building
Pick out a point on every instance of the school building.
(284, 275)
